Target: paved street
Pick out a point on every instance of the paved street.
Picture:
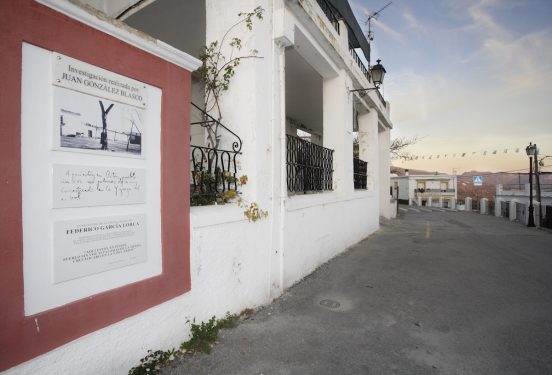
(430, 293)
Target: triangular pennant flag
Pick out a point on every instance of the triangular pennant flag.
(463, 154)
(494, 152)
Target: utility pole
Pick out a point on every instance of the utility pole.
(537, 176)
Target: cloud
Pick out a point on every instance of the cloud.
(413, 22)
(482, 18)
(524, 63)
(388, 30)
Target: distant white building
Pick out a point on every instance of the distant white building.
(436, 190)
(512, 202)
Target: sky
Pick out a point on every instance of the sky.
(466, 76)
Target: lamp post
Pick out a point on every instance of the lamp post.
(531, 150)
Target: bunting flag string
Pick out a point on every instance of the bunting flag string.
(497, 151)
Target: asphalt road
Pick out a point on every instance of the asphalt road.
(430, 293)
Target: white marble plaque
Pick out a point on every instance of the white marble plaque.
(81, 186)
(90, 79)
(95, 245)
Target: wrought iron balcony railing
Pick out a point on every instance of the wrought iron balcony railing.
(360, 173)
(331, 13)
(309, 166)
(359, 63)
(213, 170)
(427, 191)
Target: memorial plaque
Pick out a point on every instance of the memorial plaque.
(77, 75)
(94, 245)
(89, 140)
(80, 186)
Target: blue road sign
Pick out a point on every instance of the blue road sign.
(477, 180)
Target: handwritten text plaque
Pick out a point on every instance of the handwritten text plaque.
(80, 186)
(94, 245)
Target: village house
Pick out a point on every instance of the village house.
(434, 190)
(289, 120)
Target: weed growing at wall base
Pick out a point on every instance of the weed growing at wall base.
(203, 336)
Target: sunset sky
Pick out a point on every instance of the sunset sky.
(466, 76)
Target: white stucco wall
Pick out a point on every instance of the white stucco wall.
(310, 228)
(229, 272)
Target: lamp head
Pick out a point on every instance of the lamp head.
(378, 72)
(531, 149)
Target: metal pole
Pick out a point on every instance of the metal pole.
(537, 177)
(397, 199)
(531, 220)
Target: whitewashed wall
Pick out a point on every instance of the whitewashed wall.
(316, 229)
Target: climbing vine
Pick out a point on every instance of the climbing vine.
(217, 69)
(220, 59)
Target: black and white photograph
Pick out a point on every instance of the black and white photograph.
(94, 124)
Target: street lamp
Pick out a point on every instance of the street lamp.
(531, 151)
(377, 72)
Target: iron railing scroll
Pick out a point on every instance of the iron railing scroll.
(309, 166)
(360, 173)
(214, 170)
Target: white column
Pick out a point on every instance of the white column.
(384, 171)
(441, 202)
(498, 206)
(368, 146)
(536, 213)
(468, 204)
(513, 210)
(429, 201)
(483, 206)
(338, 131)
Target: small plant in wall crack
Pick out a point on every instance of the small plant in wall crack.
(152, 363)
(203, 337)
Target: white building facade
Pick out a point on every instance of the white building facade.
(512, 202)
(319, 199)
(438, 190)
